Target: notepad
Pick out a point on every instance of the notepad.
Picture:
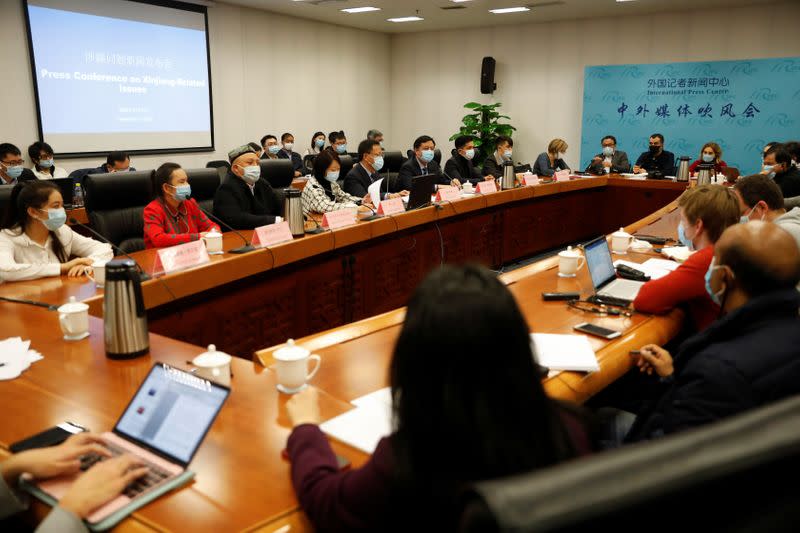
(564, 352)
(362, 427)
(381, 397)
(678, 253)
(655, 268)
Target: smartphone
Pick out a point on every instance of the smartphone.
(49, 437)
(597, 331)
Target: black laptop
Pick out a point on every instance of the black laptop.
(422, 188)
(67, 187)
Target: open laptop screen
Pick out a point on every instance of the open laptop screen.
(598, 261)
(171, 412)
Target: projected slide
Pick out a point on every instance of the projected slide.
(120, 75)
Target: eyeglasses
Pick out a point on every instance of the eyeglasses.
(12, 163)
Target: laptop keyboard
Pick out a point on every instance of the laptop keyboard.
(154, 476)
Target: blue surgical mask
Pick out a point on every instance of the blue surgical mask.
(183, 192)
(274, 149)
(427, 156)
(252, 174)
(55, 218)
(319, 143)
(716, 297)
(469, 154)
(608, 151)
(769, 170)
(378, 163)
(332, 176)
(708, 158)
(14, 172)
(682, 237)
(744, 219)
(46, 163)
(507, 154)
(341, 148)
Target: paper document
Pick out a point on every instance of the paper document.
(381, 397)
(564, 352)
(678, 253)
(15, 357)
(655, 268)
(362, 427)
(374, 191)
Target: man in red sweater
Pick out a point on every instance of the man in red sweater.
(705, 213)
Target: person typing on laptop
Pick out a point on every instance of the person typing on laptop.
(94, 488)
(705, 212)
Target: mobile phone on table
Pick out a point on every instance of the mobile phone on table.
(49, 437)
(597, 331)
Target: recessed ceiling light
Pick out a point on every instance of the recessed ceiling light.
(360, 9)
(405, 19)
(509, 10)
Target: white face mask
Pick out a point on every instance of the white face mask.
(288, 146)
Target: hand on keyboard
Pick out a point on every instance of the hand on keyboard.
(102, 483)
(154, 475)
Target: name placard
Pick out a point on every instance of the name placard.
(392, 206)
(448, 194)
(530, 180)
(562, 175)
(181, 256)
(272, 234)
(339, 219)
(486, 187)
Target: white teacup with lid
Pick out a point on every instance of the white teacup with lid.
(73, 317)
(569, 262)
(291, 367)
(214, 366)
(213, 241)
(621, 241)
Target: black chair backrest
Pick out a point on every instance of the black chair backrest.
(78, 175)
(722, 477)
(219, 163)
(204, 182)
(5, 197)
(346, 163)
(392, 161)
(308, 163)
(115, 204)
(278, 172)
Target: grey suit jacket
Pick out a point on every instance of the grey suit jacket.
(619, 163)
(58, 521)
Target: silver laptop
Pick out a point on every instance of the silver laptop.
(604, 276)
(163, 427)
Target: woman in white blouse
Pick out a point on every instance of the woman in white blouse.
(322, 193)
(35, 242)
(317, 144)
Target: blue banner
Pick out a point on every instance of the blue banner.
(740, 105)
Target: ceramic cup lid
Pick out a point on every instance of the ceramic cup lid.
(73, 306)
(569, 252)
(621, 233)
(213, 234)
(290, 352)
(211, 358)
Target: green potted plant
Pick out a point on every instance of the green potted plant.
(483, 125)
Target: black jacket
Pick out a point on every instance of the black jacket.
(297, 160)
(241, 209)
(411, 169)
(27, 175)
(358, 180)
(665, 162)
(789, 182)
(460, 168)
(619, 164)
(492, 167)
(744, 360)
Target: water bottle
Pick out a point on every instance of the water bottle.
(77, 196)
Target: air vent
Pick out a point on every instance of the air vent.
(451, 8)
(547, 4)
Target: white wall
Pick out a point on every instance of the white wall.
(270, 74)
(540, 66)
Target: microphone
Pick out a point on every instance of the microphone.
(29, 302)
(142, 274)
(241, 250)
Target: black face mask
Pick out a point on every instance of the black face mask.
(654, 149)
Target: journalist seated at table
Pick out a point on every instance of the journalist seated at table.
(710, 154)
(244, 200)
(317, 143)
(322, 193)
(44, 166)
(366, 172)
(422, 163)
(95, 487)
(35, 242)
(705, 212)
(746, 359)
(610, 160)
(778, 166)
(270, 147)
(464, 410)
(287, 152)
(656, 158)
(460, 167)
(115, 162)
(760, 198)
(173, 217)
(551, 161)
(12, 170)
(504, 151)
(338, 142)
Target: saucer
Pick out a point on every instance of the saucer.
(560, 275)
(77, 337)
(287, 390)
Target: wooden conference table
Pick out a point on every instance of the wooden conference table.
(242, 482)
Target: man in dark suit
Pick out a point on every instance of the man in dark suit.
(778, 166)
(748, 357)
(493, 165)
(287, 140)
(11, 169)
(244, 200)
(422, 163)
(365, 173)
(610, 160)
(656, 158)
(460, 167)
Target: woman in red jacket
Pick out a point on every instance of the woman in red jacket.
(711, 153)
(705, 212)
(173, 218)
(468, 405)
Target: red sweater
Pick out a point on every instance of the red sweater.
(686, 285)
(717, 166)
(163, 228)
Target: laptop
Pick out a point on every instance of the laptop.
(163, 426)
(608, 288)
(67, 187)
(422, 188)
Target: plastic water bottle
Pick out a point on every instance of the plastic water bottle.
(77, 196)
